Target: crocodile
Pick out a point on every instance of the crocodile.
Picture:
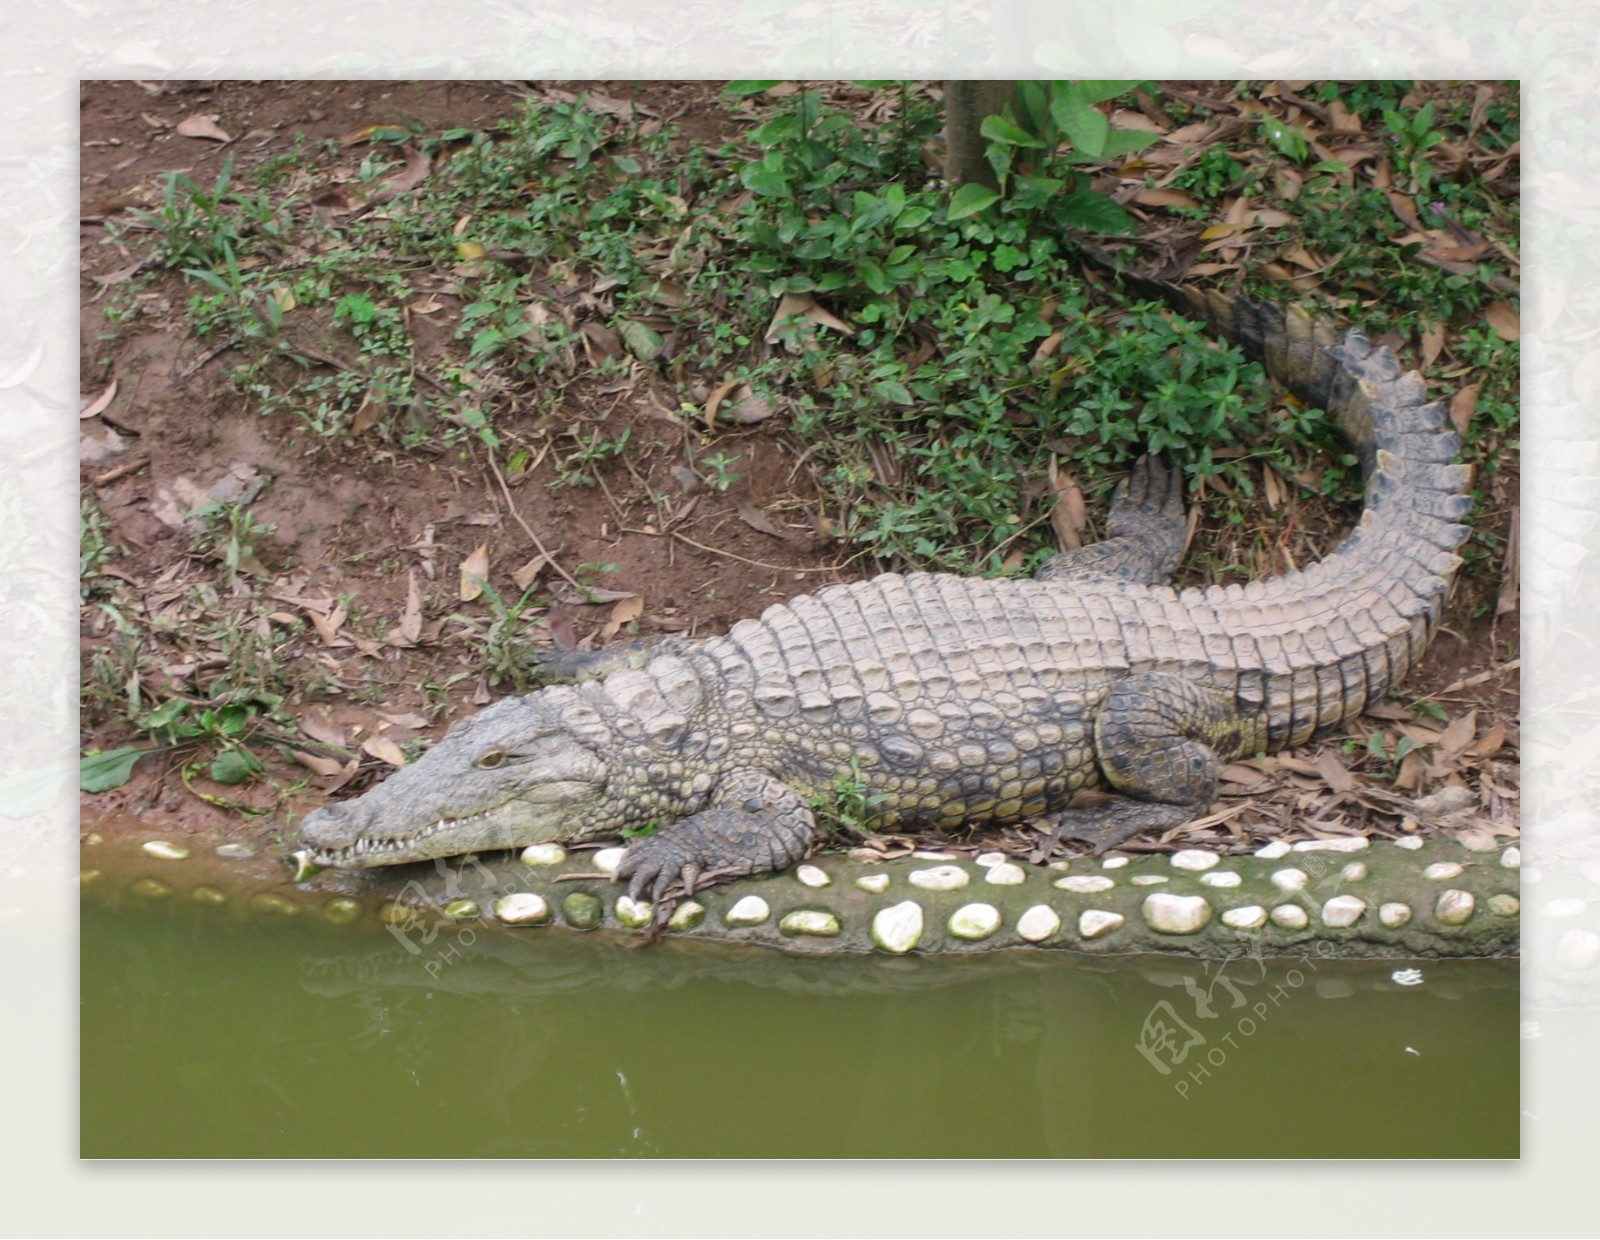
(952, 702)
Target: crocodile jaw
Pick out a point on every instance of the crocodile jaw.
(509, 777)
(366, 840)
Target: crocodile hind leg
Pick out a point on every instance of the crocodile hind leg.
(1160, 741)
(756, 823)
(1145, 532)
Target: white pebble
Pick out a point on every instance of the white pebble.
(633, 913)
(164, 850)
(543, 854)
(812, 876)
(898, 928)
(1194, 859)
(1250, 917)
(1005, 875)
(1289, 880)
(1566, 906)
(1095, 922)
(992, 858)
(1454, 907)
(1578, 950)
(815, 922)
(522, 908)
(1442, 869)
(974, 921)
(940, 878)
(1512, 858)
(1038, 923)
(687, 915)
(749, 911)
(1406, 977)
(1394, 915)
(1148, 880)
(920, 855)
(1504, 905)
(1171, 914)
(1113, 863)
(1341, 912)
(607, 859)
(1222, 878)
(1084, 883)
(1409, 842)
(877, 884)
(1290, 917)
(1354, 872)
(1272, 851)
(1345, 843)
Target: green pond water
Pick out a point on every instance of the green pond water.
(210, 1037)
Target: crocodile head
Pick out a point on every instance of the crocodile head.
(517, 773)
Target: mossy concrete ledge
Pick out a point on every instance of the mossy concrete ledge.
(1434, 900)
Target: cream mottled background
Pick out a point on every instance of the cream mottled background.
(1551, 46)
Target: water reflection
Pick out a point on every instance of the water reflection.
(222, 1038)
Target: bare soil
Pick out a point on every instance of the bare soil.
(353, 603)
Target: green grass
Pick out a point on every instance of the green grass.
(976, 352)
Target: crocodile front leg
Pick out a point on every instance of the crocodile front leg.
(755, 823)
(1160, 741)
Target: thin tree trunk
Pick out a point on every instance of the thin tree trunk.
(965, 106)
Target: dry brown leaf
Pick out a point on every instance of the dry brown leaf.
(411, 720)
(1462, 406)
(747, 408)
(758, 520)
(1412, 769)
(327, 627)
(474, 572)
(600, 343)
(100, 403)
(529, 572)
(319, 727)
(1335, 774)
(383, 749)
(715, 400)
(626, 611)
(1070, 515)
(202, 127)
(411, 618)
(803, 306)
(1458, 734)
(1505, 319)
(328, 768)
(1164, 198)
(412, 174)
(1490, 743)
(1432, 342)
(1510, 571)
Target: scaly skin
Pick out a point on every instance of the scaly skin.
(958, 701)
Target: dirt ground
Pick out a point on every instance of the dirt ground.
(353, 597)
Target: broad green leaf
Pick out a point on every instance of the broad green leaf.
(741, 89)
(234, 766)
(1095, 91)
(101, 772)
(1094, 212)
(1125, 141)
(999, 129)
(970, 199)
(643, 341)
(768, 182)
(1079, 121)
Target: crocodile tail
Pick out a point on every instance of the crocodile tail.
(1388, 580)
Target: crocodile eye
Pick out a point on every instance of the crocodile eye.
(491, 759)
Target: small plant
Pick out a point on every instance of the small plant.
(504, 637)
(231, 536)
(848, 808)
